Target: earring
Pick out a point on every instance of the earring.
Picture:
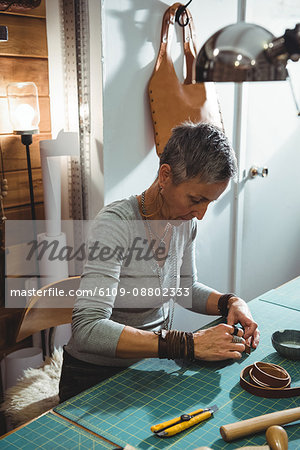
(160, 197)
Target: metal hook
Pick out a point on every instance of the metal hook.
(180, 12)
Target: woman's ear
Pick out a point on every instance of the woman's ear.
(164, 175)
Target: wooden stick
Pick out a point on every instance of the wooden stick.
(256, 424)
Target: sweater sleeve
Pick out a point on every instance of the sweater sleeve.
(188, 275)
(93, 330)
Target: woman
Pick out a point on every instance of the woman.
(141, 256)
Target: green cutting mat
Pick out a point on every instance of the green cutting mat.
(52, 432)
(123, 408)
(287, 295)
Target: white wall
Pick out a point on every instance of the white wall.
(56, 87)
(271, 232)
(64, 112)
(96, 187)
(131, 39)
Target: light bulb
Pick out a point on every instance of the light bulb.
(23, 107)
(24, 115)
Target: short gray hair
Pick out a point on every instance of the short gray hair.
(199, 150)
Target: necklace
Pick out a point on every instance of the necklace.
(168, 321)
(161, 240)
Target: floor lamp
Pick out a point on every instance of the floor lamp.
(25, 117)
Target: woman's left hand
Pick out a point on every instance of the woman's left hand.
(239, 312)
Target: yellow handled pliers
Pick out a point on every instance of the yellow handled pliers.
(174, 426)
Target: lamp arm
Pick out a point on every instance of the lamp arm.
(286, 46)
(292, 41)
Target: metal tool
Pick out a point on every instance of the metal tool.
(174, 426)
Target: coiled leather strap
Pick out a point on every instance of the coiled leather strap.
(267, 380)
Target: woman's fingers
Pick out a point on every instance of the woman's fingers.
(255, 338)
(218, 343)
(237, 345)
(239, 312)
(234, 355)
(236, 331)
(250, 328)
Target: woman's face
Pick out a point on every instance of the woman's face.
(188, 199)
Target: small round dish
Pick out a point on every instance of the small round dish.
(287, 343)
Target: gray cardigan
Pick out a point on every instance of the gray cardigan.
(120, 284)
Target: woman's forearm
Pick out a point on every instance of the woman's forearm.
(212, 304)
(134, 343)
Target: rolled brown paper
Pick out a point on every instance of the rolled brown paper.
(254, 447)
(203, 448)
(257, 424)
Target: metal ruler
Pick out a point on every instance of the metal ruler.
(77, 98)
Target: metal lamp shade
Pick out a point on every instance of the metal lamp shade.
(240, 52)
(23, 105)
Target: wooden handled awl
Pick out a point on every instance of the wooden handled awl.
(277, 438)
(257, 424)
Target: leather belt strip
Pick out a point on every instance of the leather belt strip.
(267, 380)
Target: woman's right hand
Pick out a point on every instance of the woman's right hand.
(215, 343)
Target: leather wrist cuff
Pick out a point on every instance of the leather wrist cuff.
(162, 344)
(175, 344)
(223, 304)
(190, 346)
